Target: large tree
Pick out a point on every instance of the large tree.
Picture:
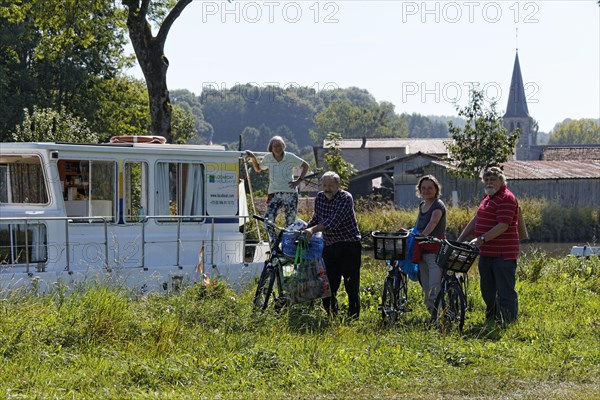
(149, 50)
(55, 54)
(482, 142)
(577, 131)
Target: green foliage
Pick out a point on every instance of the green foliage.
(335, 161)
(231, 111)
(182, 125)
(420, 126)
(205, 342)
(353, 121)
(121, 108)
(546, 221)
(203, 131)
(55, 55)
(304, 115)
(579, 131)
(47, 125)
(482, 142)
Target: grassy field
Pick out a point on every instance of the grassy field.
(207, 343)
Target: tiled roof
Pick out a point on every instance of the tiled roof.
(590, 152)
(524, 170)
(390, 164)
(552, 169)
(430, 146)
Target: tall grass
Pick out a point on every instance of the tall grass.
(546, 221)
(206, 342)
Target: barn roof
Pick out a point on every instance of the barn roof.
(581, 152)
(412, 145)
(539, 170)
(552, 169)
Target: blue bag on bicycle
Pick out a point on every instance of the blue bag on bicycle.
(309, 279)
(407, 266)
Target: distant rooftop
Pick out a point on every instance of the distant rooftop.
(589, 169)
(412, 145)
(581, 152)
(525, 170)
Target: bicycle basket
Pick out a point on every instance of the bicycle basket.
(456, 256)
(390, 245)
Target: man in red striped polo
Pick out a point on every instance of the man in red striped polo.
(494, 229)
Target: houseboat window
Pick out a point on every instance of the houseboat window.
(89, 188)
(22, 180)
(180, 189)
(19, 245)
(135, 185)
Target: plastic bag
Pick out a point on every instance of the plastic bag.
(309, 279)
(407, 266)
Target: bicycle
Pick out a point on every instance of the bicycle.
(391, 246)
(455, 259)
(293, 272)
(270, 282)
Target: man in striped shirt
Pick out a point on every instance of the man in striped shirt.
(334, 216)
(494, 228)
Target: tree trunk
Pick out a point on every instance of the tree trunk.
(149, 51)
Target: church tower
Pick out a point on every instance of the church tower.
(517, 114)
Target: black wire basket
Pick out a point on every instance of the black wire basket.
(456, 256)
(390, 245)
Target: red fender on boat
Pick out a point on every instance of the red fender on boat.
(138, 139)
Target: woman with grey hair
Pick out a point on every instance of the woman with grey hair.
(282, 191)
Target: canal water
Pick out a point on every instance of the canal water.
(552, 249)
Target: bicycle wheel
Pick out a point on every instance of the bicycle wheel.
(402, 292)
(264, 290)
(389, 302)
(450, 307)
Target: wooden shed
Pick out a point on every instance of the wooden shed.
(568, 183)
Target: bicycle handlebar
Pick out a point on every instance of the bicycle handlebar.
(427, 239)
(272, 224)
(433, 239)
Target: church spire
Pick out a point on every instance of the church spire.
(517, 103)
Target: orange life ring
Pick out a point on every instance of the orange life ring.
(138, 139)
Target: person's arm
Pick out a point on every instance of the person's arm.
(468, 231)
(314, 229)
(436, 216)
(296, 182)
(505, 213)
(252, 158)
(314, 220)
(492, 234)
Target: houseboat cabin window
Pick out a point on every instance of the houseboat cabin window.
(89, 188)
(22, 180)
(135, 185)
(21, 244)
(179, 190)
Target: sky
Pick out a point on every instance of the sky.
(422, 56)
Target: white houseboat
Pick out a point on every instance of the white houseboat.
(154, 216)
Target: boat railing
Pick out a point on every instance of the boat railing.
(108, 221)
